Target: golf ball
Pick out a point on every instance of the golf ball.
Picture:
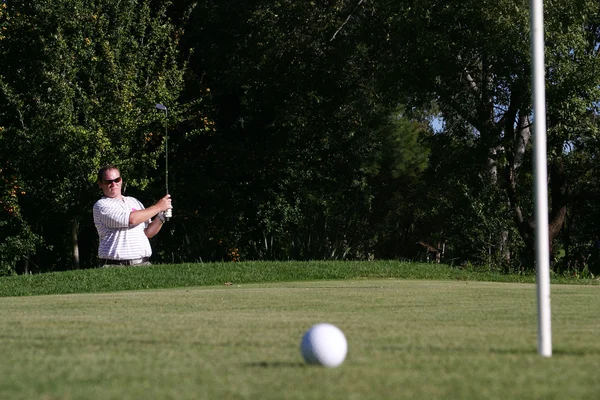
(324, 344)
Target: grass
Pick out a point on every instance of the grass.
(407, 339)
(448, 337)
(189, 275)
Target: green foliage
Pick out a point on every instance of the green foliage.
(466, 211)
(78, 85)
(281, 177)
(281, 142)
(17, 241)
(473, 59)
(399, 149)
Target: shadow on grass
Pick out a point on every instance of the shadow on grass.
(516, 352)
(275, 364)
(559, 352)
(555, 351)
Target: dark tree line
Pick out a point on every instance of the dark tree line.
(298, 130)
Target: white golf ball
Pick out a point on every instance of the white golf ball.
(324, 344)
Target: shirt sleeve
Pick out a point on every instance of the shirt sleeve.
(112, 216)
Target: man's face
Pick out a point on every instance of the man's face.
(111, 184)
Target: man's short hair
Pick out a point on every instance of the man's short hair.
(102, 170)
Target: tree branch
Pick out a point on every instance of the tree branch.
(521, 140)
(471, 82)
(345, 22)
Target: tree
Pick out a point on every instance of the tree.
(396, 166)
(78, 85)
(473, 59)
(282, 174)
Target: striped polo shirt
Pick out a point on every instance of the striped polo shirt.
(118, 239)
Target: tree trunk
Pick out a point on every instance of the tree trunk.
(558, 206)
(75, 241)
(558, 196)
(502, 245)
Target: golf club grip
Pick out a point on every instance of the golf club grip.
(168, 214)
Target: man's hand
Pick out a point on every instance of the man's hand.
(164, 204)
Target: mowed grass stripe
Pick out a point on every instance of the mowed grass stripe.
(407, 339)
(206, 274)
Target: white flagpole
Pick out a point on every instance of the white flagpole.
(542, 245)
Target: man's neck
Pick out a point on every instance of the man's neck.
(119, 197)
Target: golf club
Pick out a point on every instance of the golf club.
(168, 213)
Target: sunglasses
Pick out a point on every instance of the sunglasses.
(109, 181)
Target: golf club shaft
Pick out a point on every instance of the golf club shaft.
(168, 213)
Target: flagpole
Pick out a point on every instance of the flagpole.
(542, 245)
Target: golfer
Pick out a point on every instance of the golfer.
(124, 225)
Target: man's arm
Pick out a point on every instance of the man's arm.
(139, 216)
(154, 227)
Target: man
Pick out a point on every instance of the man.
(123, 224)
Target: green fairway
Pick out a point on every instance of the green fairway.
(163, 276)
(406, 338)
